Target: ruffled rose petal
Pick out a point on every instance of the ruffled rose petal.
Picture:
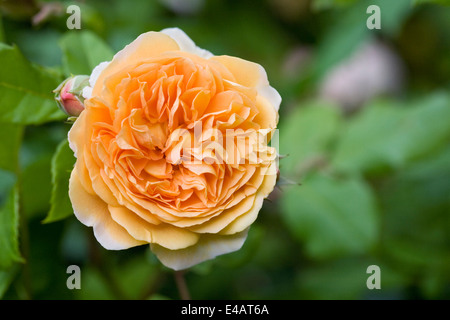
(208, 247)
(93, 212)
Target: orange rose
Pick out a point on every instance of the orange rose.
(172, 149)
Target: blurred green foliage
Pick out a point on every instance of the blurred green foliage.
(360, 186)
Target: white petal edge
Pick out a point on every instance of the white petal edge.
(87, 91)
(185, 43)
(271, 95)
(208, 247)
(264, 89)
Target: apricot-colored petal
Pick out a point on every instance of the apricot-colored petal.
(267, 116)
(76, 135)
(222, 220)
(208, 247)
(93, 212)
(165, 235)
(83, 174)
(270, 94)
(246, 73)
(244, 213)
(251, 74)
(98, 184)
(145, 46)
(246, 219)
(270, 179)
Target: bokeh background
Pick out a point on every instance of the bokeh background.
(364, 135)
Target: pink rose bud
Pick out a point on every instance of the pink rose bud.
(69, 96)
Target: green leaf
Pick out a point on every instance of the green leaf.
(94, 286)
(129, 276)
(388, 134)
(345, 279)
(9, 145)
(318, 5)
(442, 2)
(36, 153)
(40, 46)
(426, 125)
(36, 187)
(367, 141)
(331, 217)
(2, 31)
(416, 203)
(340, 279)
(62, 165)
(83, 51)
(393, 14)
(346, 32)
(9, 216)
(26, 90)
(7, 182)
(348, 29)
(6, 277)
(305, 136)
(9, 221)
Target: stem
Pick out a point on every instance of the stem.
(181, 285)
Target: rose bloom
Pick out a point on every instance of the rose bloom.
(152, 165)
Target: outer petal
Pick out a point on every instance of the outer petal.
(270, 94)
(208, 247)
(226, 217)
(76, 135)
(185, 43)
(147, 45)
(251, 74)
(246, 73)
(93, 212)
(163, 234)
(267, 116)
(245, 220)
